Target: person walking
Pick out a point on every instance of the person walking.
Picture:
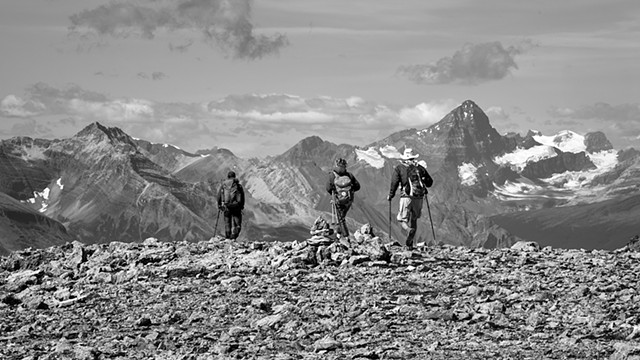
(342, 185)
(413, 181)
(231, 203)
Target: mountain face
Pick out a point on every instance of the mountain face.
(490, 190)
(102, 188)
(21, 227)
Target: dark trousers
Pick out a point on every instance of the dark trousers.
(341, 212)
(232, 223)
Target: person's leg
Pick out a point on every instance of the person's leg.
(342, 216)
(227, 224)
(236, 224)
(415, 211)
(412, 226)
(404, 217)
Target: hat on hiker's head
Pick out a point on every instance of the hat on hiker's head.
(231, 175)
(408, 154)
(340, 162)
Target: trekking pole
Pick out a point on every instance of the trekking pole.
(430, 219)
(390, 240)
(333, 212)
(215, 229)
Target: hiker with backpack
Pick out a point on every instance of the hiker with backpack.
(342, 185)
(413, 180)
(231, 203)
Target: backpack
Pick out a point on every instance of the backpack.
(416, 187)
(343, 188)
(231, 194)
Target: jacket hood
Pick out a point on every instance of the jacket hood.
(231, 181)
(340, 170)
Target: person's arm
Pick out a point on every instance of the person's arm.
(330, 184)
(427, 180)
(241, 196)
(395, 182)
(355, 185)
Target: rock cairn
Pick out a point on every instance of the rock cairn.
(317, 299)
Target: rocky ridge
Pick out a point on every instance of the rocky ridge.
(317, 299)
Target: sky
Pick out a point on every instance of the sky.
(256, 77)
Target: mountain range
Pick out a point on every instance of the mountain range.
(490, 190)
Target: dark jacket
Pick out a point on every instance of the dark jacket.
(240, 189)
(341, 171)
(400, 178)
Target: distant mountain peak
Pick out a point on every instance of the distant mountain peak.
(468, 133)
(101, 132)
(215, 151)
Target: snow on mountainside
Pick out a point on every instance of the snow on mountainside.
(568, 186)
(567, 141)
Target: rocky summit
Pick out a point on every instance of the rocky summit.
(317, 299)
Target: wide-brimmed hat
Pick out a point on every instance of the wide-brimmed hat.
(408, 154)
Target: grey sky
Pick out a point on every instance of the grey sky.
(188, 72)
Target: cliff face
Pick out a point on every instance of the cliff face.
(559, 164)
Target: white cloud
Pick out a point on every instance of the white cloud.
(14, 106)
(425, 114)
(250, 120)
(472, 64)
(496, 112)
(116, 110)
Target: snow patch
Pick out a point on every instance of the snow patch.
(605, 160)
(467, 173)
(173, 146)
(523, 190)
(390, 152)
(567, 141)
(42, 198)
(575, 180)
(371, 157)
(519, 158)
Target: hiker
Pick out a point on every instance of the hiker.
(413, 180)
(231, 203)
(341, 185)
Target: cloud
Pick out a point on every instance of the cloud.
(14, 106)
(181, 48)
(224, 23)
(474, 63)
(156, 75)
(601, 111)
(277, 111)
(621, 121)
(238, 122)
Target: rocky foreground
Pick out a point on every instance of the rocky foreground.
(317, 299)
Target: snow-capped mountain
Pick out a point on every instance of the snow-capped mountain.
(489, 188)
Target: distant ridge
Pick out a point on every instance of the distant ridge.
(106, 185)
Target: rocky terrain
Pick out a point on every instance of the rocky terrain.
(317, 299)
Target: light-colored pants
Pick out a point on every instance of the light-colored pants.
(408, 215)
